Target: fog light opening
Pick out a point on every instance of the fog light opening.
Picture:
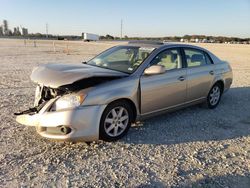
(65, 130)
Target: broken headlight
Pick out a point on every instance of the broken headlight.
(68, 101)
(37, 95)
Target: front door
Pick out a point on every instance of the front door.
(165, 90)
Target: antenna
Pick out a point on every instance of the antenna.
(47, 30)
(121, 27)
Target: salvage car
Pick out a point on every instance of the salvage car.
(101, 98)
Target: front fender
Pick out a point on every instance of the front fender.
(125, 88)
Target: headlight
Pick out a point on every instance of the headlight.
(68, 101)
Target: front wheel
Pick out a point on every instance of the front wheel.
(115, 121)
(214, 96)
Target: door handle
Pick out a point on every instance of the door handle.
(211, 72)
(181, 78)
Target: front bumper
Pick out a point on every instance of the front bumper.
(83, 122)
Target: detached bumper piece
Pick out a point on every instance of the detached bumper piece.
(29, 111)
(29, 117)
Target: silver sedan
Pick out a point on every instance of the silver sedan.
(101, 98)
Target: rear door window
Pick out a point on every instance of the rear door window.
(195, 58)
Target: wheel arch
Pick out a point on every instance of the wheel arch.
(221, 83)
(131, 103)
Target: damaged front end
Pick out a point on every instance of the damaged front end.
(42, 95)
(61, 88)
(56, 114)
(48, 100)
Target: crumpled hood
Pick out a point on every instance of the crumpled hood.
(56, 75)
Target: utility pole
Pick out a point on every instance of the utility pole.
(121, 27)
(47, 30)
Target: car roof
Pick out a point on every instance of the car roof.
(159, 44)
(150, 44)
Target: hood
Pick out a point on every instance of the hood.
(56, 75)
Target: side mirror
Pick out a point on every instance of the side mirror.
(155, 69)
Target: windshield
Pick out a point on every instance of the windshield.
(122, 58)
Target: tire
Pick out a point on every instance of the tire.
(115, 121)
(214, 96)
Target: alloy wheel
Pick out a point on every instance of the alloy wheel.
(116, 121)
(214, 95)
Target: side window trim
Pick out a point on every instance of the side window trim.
(183, 58)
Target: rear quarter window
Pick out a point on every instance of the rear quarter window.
(208, 59)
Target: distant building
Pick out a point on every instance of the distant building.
(24, 31)
(6, 30)
(16, 31)
(1, 31)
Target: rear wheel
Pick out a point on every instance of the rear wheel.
(116, 121)
(214, 96)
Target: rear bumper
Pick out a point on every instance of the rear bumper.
(83, 123)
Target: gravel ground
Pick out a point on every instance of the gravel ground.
(193, 147)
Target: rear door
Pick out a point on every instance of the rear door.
(200, 73)
(164, 90)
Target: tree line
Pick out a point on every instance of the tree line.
(185, 38)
